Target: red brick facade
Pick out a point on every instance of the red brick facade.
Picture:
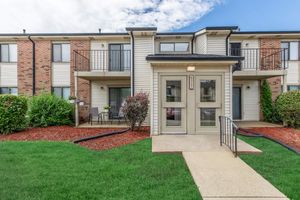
(43, 66)
(25, 67)
(275, 82)
(84, 86)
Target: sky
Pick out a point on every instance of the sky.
(49, 16)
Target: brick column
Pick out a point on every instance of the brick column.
(43, 66)
(25, 67)
(84, 86)
(275, 82)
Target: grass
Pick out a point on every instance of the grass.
(277, 164)
(61, 170)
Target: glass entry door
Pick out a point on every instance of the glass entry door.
(208, 103)
(173, 106)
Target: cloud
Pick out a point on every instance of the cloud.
(109, 15)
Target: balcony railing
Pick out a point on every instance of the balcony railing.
(261, 58)
(102, 60)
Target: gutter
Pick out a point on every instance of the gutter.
(226, 44)
(192, 45)
(132, 65)
(33, 65)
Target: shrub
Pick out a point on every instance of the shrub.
(50, 110)
(287, 106)
(13, 111)
(266, 103)
(135, 109)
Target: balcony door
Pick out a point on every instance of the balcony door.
(119, 57)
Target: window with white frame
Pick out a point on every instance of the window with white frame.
(293, 87)
(293, 52)
(61, 52)
(8, 53)
(174, 46)
(9, 90)
(62, 92)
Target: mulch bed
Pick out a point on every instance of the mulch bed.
(289, 136)
(67, 133)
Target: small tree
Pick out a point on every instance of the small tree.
(135, 109)
(266, 103)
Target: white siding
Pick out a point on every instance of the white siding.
(100, 91)
(227, 94)
(216, 45)
(293, 72)
(201, 44)
(250, 99)
(8, 75)
(155, 105)
(61, 74)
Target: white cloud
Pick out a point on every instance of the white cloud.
(109, 15)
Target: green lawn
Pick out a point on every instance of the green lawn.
(277, 164)
(61, 170)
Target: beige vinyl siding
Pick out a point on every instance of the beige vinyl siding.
(142, 69)
(61, 74)
(8, 75)
(201, 44)
(155, 104)
(293, 72)
(99, 90)
(250, 99)
(216, 45)
(227, 93)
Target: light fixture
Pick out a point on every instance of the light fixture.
(190, 68)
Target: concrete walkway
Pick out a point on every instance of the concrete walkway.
(217, 173)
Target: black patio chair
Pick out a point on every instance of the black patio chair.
(94, 112)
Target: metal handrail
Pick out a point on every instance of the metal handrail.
(228, 133)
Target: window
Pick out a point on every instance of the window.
(293, 50)
(173, 117)
(173, 91)
(208, 116)
(208, 91)
(9, 90)
(61, 52)
(8, 53)
(63, 92)
(174, 47)
(293, 87)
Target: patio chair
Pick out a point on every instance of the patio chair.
(94, 113)
(116, 116)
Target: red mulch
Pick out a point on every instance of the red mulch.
(67, 133)
(289, 136)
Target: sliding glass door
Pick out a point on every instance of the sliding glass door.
(119, 57)
(117, 97)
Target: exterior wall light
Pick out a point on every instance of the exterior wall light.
(190, 68)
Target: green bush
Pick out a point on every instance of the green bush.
(49, 110)
(13, 111)
(287, 105)
(266, 103)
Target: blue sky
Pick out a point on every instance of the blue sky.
(252, 15)
(166, 15)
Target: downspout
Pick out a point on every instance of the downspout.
(132, 65)
(192, 45)
(33, 65)
(227, 39)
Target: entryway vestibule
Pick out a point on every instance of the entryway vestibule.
(191, 102)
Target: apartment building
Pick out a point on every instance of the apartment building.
(191, 77)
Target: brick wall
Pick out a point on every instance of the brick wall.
(84, 86)
(25, 67)
(43, 66)
(275, 82)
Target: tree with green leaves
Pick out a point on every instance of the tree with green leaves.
(266, 103)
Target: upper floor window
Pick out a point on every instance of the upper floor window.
(293, 52)
(9, 90)
(8, 53)
(174, 46)
(61, 52)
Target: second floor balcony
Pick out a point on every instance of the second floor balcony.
(262, 62)
(93, 63)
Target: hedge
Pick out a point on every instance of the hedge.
(266, 103)
(49, 110)
(13, 111)
(287, 106)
